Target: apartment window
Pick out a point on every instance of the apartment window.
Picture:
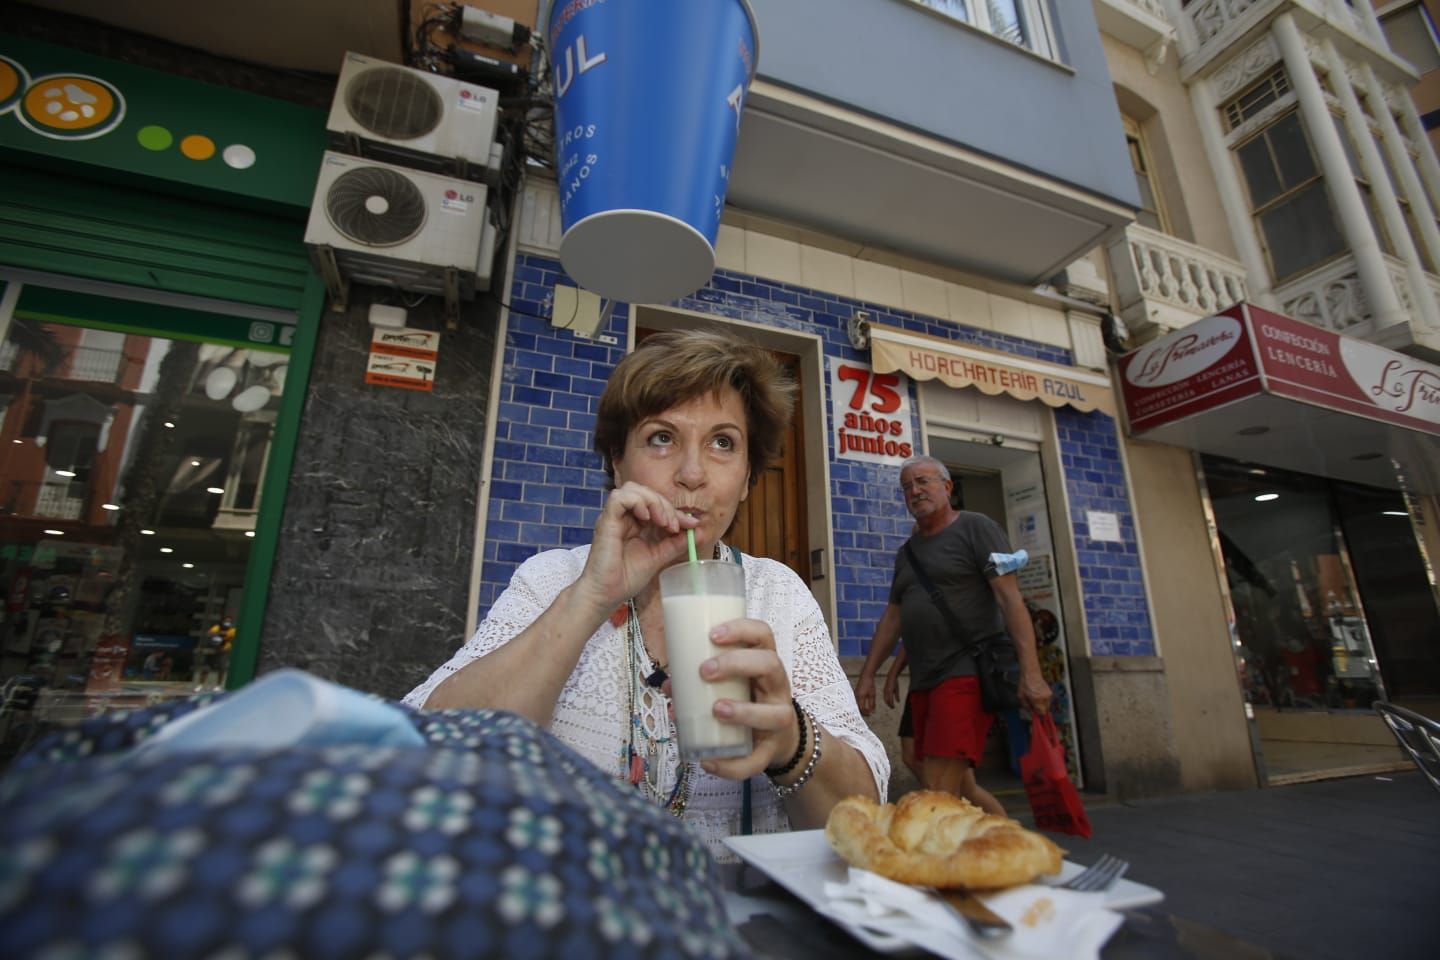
(1367, 192)
(1412, 34)
(1419, 208)
(1152, 209)
(1256, 98)
(1288, 198)
(1020, 22)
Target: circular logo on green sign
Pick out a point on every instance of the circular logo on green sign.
(71, 106)
(13, 81)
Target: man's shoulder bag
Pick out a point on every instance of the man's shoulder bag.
(993, 657)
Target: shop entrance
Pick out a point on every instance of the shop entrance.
(1004, 481)
(1333, 610)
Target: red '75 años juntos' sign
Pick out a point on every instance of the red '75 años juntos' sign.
(870, 412)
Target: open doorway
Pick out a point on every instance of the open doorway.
(1002, 478)
(1332, 610)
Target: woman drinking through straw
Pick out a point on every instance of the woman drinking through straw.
(686, 424)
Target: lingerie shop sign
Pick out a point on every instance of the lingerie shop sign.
(1247, 351)
(869, 413)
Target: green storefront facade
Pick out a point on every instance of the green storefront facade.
(158, 318)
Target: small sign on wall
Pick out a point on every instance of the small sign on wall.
(1104, 525)
(403, 358)
(870, 412)
(407, 373)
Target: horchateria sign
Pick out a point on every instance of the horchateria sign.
(1248, 351)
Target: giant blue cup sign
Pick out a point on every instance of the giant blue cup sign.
(648, 96)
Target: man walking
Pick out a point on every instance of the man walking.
(954, 547)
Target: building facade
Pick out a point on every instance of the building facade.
(200, 483)
(916, 243)
(1283, 163)
(938, 253)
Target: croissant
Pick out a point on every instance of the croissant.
(940, 840)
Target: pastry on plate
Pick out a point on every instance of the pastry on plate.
(937, 839)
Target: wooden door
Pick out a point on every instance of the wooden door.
(771, 522)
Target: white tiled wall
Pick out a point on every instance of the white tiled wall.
(878, 283)
(826, 270)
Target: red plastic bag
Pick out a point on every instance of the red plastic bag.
(1053, 798)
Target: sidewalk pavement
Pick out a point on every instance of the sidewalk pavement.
(1332, 869)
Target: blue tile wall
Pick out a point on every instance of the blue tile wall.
(1116, 614)
(548, 484)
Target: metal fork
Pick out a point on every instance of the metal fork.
(1099, 876)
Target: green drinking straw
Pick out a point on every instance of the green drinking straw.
(697, 583)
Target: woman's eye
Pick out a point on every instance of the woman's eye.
(660, 437)
(725, 442)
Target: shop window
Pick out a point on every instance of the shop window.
(1288, 198)
(1302, 643)
(132, 468)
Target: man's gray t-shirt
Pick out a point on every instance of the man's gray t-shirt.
(955, 560)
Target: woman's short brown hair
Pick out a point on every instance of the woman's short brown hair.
(678, 366)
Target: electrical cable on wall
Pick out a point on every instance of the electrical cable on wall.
(524, 313)
(524, 129)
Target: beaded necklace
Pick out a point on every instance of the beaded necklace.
(646, 768)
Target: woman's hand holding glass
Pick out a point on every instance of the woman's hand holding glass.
(749, 653)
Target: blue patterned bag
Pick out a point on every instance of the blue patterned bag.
(494, 840)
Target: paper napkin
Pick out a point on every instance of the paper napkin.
(1049, 922)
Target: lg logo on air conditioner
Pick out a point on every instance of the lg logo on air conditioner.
(454, 195)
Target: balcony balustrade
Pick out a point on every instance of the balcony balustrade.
(1211, 28)
(1332, 297)
(54, 502)
(88, 364)
(1163, 282)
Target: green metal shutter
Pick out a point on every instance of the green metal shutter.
(67, 224)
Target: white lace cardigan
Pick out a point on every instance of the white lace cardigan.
(592, 712)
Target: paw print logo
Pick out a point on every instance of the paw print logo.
(13, 80)
(71, 106)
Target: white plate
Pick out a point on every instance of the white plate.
(803, 861)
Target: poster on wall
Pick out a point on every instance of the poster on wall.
(869, 413)
(1042, 599)
(1026, 511)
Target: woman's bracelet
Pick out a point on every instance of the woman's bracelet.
(785, 793)
(799, 746)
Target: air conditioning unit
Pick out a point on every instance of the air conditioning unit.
(394, 114)
(391, 226)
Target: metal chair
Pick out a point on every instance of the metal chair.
(1419, 735)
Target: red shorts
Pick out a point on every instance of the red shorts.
(949, 721)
